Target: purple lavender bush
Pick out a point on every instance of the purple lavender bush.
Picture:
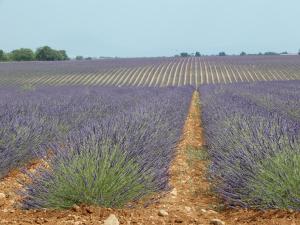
(253, 137)
(24, 129)
(31, 120)
(112, 145)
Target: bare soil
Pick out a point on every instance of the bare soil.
(189, 202)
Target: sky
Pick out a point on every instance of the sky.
(146, 28)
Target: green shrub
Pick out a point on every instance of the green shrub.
(105, 177)
(22, 54)
(277, 183)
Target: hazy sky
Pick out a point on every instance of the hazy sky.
(128, 28)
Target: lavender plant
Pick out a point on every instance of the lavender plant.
(277, 181)
(98, 174)
(252, 130)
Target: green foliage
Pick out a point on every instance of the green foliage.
(197, 153)
(271, 53)
(79, 57)
(243, 54)
(277, 182)
(222, 54)
(184, 54)
(42, 54)
(3, 56)
(63, 55)
(48, 54)
(105, 177)
(22, 54)
(197, 54)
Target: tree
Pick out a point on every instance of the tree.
(45, 54)
(222, 54)
(3, 56)
(271, 53)
(79, 57)
(48, 54)
(184, 54)
(243, 54)
(197, 54)
(63, 55)
(22, 54)
(299, 52)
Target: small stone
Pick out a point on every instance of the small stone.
(216, 222)
(188, 209)
(11, 202)
(76, 217)
(212, 212)
(111, 220)
(77, 223)
(203, 210)
(163, 213)
(174, 192)
(75, 208)
(2, 201)
(2, 196)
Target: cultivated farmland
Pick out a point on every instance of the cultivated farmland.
(78, 138)
(154, 72)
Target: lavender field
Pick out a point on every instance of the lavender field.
(253, 137)
(113, 145)
(154, 72)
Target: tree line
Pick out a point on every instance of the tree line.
(41, 54)
(198, 54)
(48, 54)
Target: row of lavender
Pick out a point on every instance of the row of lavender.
(173, 71)
(253, 137)
(104, 146)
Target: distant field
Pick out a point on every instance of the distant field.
(152, 71)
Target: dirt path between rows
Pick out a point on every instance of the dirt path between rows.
(189, 202)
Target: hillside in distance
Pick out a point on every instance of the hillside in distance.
(154, 72)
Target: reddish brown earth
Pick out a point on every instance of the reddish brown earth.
(189, 202)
